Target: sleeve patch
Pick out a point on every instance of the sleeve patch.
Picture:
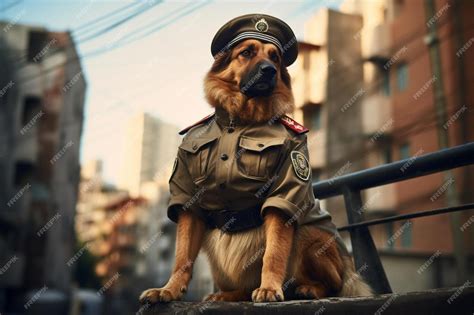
(300, 165)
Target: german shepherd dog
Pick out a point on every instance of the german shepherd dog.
(330, 274)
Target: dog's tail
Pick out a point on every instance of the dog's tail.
(353, 283)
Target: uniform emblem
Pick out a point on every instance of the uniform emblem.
(300, 165)
(261, 25)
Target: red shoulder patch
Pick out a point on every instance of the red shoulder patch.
(182, 132)
(290, 123)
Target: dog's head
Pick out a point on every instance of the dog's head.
(250, 81)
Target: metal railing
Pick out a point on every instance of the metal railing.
(351, 185)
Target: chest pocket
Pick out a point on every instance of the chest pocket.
(199, 153)
(258, 157)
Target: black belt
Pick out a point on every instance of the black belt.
(231, 221)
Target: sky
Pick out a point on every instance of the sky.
(154, 63)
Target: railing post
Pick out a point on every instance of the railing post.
(363, 247)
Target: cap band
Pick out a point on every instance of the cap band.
(255, 35)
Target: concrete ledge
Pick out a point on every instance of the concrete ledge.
(451, 301)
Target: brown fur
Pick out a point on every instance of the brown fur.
(254, 264)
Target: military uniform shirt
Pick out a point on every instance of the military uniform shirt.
(235, 167)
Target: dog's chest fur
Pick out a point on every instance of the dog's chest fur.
(236, 259)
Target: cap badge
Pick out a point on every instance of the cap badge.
(261, 25)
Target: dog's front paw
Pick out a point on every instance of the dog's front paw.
(152, 296)
(267, 295)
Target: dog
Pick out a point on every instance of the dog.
(254, 264)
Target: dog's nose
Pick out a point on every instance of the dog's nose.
(260, 80)
(268, 69)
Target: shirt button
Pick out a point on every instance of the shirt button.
(230, 130)
(195, 147)
(222, 185)
(260, 145)
(224, 157)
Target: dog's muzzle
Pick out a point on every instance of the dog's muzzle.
(260, 81)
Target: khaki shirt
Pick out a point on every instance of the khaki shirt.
(242, 166)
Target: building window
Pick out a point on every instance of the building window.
(402, 77)
(387, 155)
(23, 173)
(31, 108)
(407, 236)
(398, 7)
(306, 60)
(312, 116)
(404, 151)
(385, 14)
(386, 83)
(36, 43)
(316, 118)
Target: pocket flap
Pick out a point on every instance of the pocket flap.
(194, 145)
(261, 144)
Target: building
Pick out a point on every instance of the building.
(42, 90)
(110, 226)
(366, 83)
(425, 66)
(327, 102)
(151, 147)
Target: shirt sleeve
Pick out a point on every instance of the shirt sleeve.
(292, 190)
(181, 188)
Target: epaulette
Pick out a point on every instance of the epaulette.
(205, 119)
(290, 123)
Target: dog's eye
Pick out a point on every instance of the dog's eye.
(274, 57)
(246, 53)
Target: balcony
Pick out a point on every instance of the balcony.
(376, 43)
(376, 115)
(309, 77)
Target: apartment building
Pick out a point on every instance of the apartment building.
(151, 147)
(327, 80)
(425, 66)
(42, 90)
(405, 62)
(110, 226)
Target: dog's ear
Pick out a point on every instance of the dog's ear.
(222, 61)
